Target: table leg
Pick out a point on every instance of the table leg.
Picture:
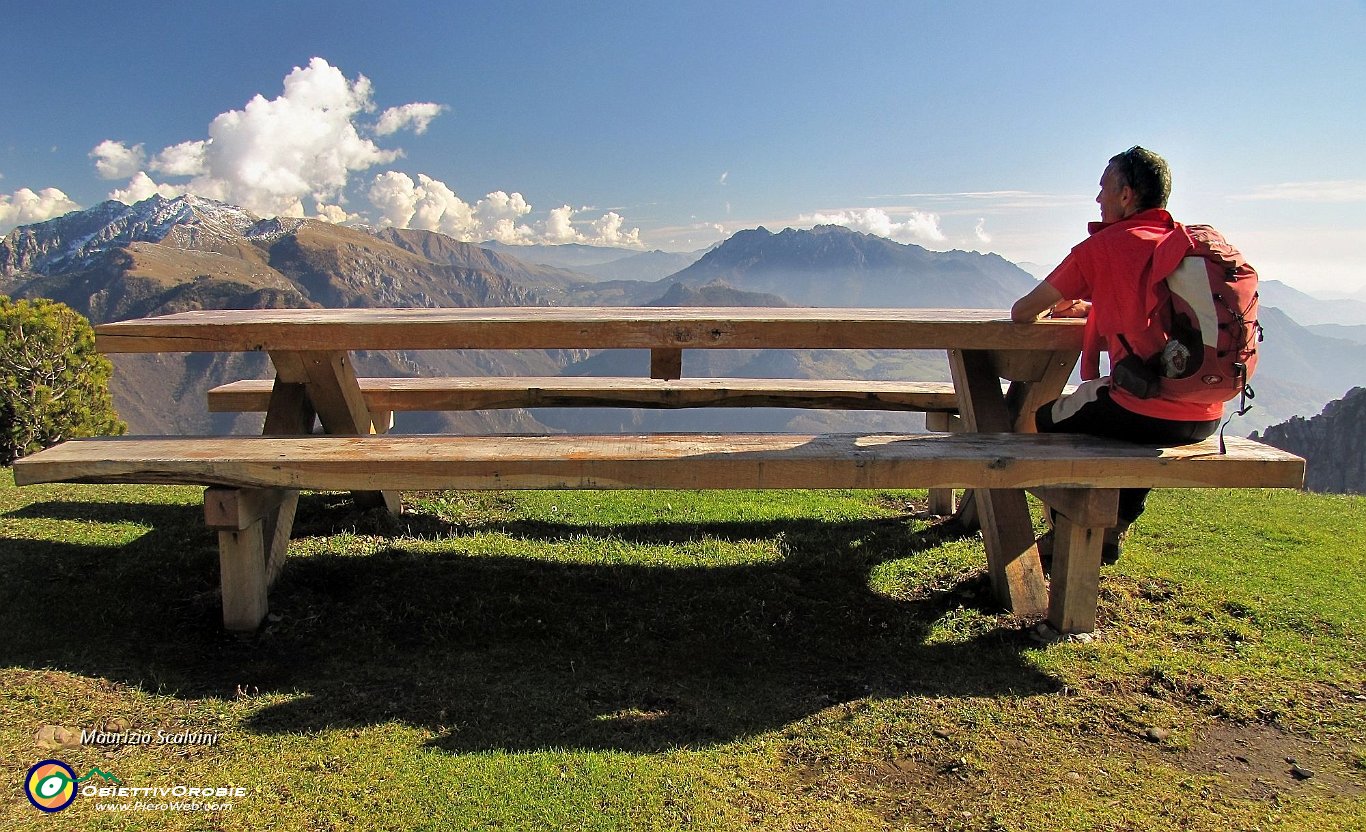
(290, 412)
(330, 384)
(1007, 531)
(666, 364)
(1026, 396)
(1036, 379)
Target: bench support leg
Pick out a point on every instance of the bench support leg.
(1083, 515)
(943, 501)
(241, 557)
(253, 526)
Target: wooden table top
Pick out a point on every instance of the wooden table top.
(585, 327)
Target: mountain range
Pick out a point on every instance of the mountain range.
(115, 261)
(161, 256)
(1311, 311)
(830, 265)
(601, 262)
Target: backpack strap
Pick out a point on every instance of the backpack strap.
(1243, 408)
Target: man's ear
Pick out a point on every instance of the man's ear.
(1128, 198)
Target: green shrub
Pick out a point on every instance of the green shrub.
(53, 385)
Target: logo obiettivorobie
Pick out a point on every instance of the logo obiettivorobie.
(51, 784)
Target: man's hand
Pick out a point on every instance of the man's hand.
(1070, 309)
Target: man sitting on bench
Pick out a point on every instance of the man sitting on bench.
(1107, 278)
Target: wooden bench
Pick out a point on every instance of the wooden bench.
(386, 396)
(254, 481)
(482, 393)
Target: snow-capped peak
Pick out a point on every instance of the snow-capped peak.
(66, 242)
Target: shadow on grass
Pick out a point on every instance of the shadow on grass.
(505, 652)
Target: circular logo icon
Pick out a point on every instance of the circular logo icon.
(50, 785)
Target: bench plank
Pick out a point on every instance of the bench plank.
(484, 393)
(660, 461)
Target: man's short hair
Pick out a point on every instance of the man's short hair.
(1147, 173)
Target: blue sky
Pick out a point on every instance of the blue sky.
(974, 125)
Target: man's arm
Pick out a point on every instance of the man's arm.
(1041, 299)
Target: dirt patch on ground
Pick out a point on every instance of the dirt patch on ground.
(1263, 761)
(944, 784)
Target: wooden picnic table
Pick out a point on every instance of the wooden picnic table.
(311, 352)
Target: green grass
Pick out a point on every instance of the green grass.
(669, 660)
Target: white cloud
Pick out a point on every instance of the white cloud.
(417, 116)
(498, 213)
(272, 154)
(1338, 190)
(393, 194)
(980, 232)
(919, 226)
(142, 187)
(610, 233)
(559, 228)
(306, 147)
(116, 160)
(335, 214)
(975, 202)
(184, 159)
(724, 177)
(607, 230)
(501, 205)
(431, 205)
(24, 207)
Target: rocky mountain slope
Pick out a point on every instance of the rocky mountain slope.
(1332, 443)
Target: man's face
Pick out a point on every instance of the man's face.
(1116, 199)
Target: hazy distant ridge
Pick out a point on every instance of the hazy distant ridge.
(833, 266)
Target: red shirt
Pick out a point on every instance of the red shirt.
(1113, 268)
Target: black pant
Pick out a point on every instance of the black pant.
(1090, 411)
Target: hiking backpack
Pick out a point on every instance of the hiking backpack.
(1207, 316)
